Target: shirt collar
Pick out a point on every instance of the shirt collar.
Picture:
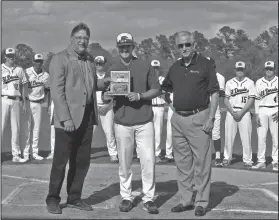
(37, 74)
(193, 60)
(8, 68)
(73, 53)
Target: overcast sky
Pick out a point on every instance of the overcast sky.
(46, 26)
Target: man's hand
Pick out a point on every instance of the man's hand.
(275, 117)
(161, 79)
(103, 110)
(24, 109)
(258, 121)
(49, 110)
(238, 116)
(208, 126)
(107, 81)
(69, 125)
(132, 96)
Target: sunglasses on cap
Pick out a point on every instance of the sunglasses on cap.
(240, 69)
(180, 46)
(269, 69)
(10, 55)
(100, 64)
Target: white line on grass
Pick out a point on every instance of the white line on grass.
(259, 184)
(267, 192)
(25, 178)
(246, 211)
(14, 193)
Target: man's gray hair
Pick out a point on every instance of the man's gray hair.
(184, 33)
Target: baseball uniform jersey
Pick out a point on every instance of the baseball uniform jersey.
(12, 79)
(37, 82)
(238, 93)
(266, 105)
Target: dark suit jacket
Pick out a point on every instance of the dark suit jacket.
(68, 88)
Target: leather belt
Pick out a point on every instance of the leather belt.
(159, 105)
(192, 112)
(12, 97)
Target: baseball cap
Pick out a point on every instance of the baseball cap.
(38, 57)
(100, 59)
(269, 64)
(9, 51)
(155, 63)
(212, 61)
(124, 39)
(240, 64)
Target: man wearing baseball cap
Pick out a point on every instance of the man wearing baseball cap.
(239, 98)
(38, 81)
(266, 109)
(134, 123)
(13, 92)
(106, 111)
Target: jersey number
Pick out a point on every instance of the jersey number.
(244, 99)
(275, 99)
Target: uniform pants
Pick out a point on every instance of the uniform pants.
(217, 123)
(76, 147)
(169, 135)
(107, 122)
(144, 137)
(11, 111)
(52, 129)
(33, 119)
(245, 131)
(158, 121)
(265, 115)
(192, 154)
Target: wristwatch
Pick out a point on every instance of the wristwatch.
(140, 95)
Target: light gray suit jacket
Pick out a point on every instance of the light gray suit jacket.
(67, 87)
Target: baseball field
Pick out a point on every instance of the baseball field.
(236, 193)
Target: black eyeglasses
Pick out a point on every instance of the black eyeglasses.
(180, 46)
(269, 69)
(79, 38)
(100, 64)
(240, 69)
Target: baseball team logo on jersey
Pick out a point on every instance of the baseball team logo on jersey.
(267, 92)
(7, 79)
(34, 84)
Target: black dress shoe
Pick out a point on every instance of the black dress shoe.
(126, 206)
(54, 208)
(200, 211)
(79, 205)
(182, 208)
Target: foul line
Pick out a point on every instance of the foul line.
(25, 178)
(13, 194)
(266, 192)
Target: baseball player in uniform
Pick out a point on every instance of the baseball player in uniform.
(106, 114)
(13, 90)
(216, 129)
(158, 104)
(38, 80)
(266, 109)
(240, 96)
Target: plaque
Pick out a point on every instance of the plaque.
(120, 82)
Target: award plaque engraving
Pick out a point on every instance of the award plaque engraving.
(120, 82)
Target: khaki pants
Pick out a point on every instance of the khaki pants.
(144, 137)
(158, 121)
(192, 154)
(169, 135)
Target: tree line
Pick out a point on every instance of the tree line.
(226, 48)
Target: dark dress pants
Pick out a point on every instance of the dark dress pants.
(76, 147)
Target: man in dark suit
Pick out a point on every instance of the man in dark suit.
(73, 90)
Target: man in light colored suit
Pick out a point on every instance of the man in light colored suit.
(73, 85)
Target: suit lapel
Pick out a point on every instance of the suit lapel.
(76, 69)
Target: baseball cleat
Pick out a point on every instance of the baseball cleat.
(259, 166)
(50, 156)
(218, 162)
(150, 207)
(19, 160)
(248, 165)
(275, 167)
(37, 157)
(114, 159)
(226, 162)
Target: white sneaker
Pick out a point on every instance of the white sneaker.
(19, 160)
(275, 167)
(26, 157)
(37, 157)
(50, 156)
(259, 166)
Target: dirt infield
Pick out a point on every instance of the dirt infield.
(234, 194)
